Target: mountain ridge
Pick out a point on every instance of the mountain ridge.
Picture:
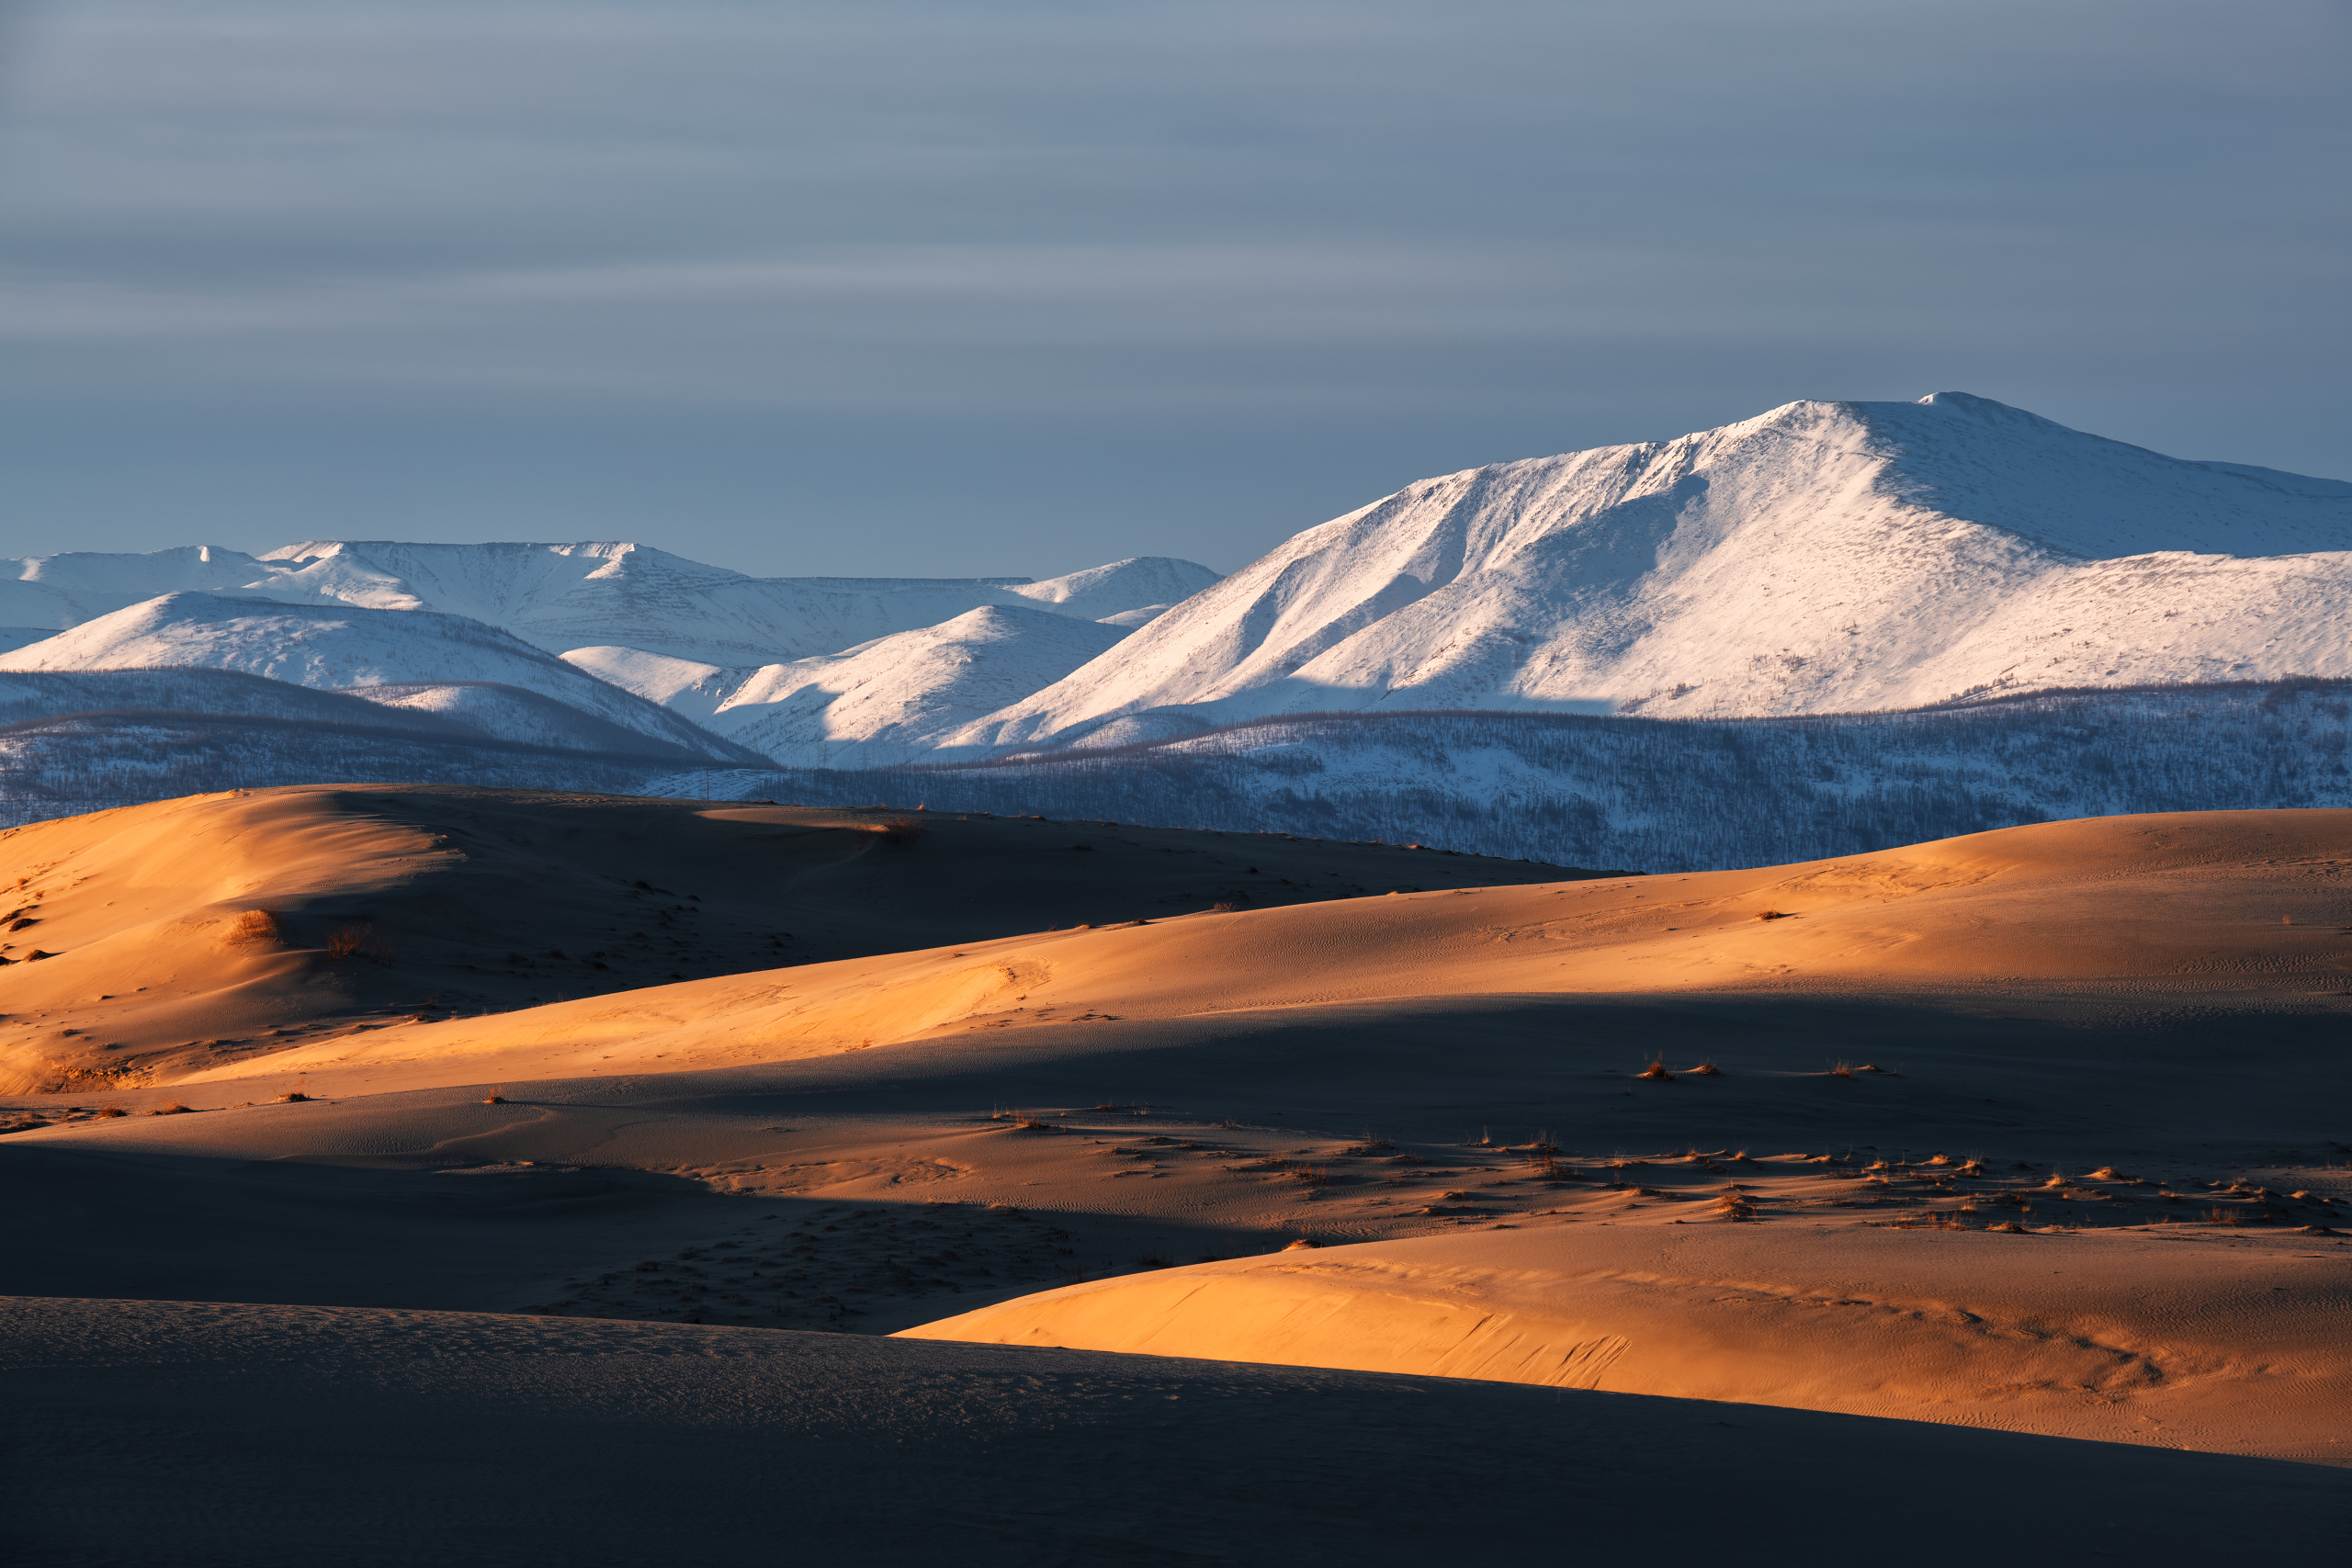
(1820, 558)
(559, 596)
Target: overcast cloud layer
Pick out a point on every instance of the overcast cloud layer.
(1016, 288)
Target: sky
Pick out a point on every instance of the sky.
(1003, 287)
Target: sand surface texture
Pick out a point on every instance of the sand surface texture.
(164, 1431)
(2039, 1131)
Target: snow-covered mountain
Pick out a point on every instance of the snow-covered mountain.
(1824, 556)
(416, 659)
(562, 596)
(884, 701)
(559, 597)
(50, 593)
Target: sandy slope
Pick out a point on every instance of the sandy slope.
(165, 1431)
(2248, 900)
(2183, 1341)
(487, 900)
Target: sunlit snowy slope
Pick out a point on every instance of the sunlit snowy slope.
(416, 659)
(884, 701)
(1821, 557)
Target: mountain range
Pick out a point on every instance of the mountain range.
(1820, 558)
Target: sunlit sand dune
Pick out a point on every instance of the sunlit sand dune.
(2122, 1336)
(2214, 904)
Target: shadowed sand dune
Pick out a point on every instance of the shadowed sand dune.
(164, 1431)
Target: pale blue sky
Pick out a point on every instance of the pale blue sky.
(994, 288)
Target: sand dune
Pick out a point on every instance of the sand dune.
(472, 901)
(295, 1436)
(2213, 902)
(2118, 1040)
(2181, 1341)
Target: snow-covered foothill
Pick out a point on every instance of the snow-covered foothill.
(1824, 556)
(1121, 588)
(1586, 790)
(359, 651)
(684, 686)
(515, 715)
(884, 701)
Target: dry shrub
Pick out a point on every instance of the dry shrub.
(348, 940)
(1776, 915)
(1301, 1245)
(2011, 1226)
(296, 1097)
(496, 1096)
(1223, 906)
(1297, 1170)
(254, 928)
(174, 1109)
(901, 830)
(1656, 1072)
(1841, 1070)
(1707, 1069)
(109, 1112)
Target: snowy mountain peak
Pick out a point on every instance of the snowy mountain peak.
(1820, 556)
